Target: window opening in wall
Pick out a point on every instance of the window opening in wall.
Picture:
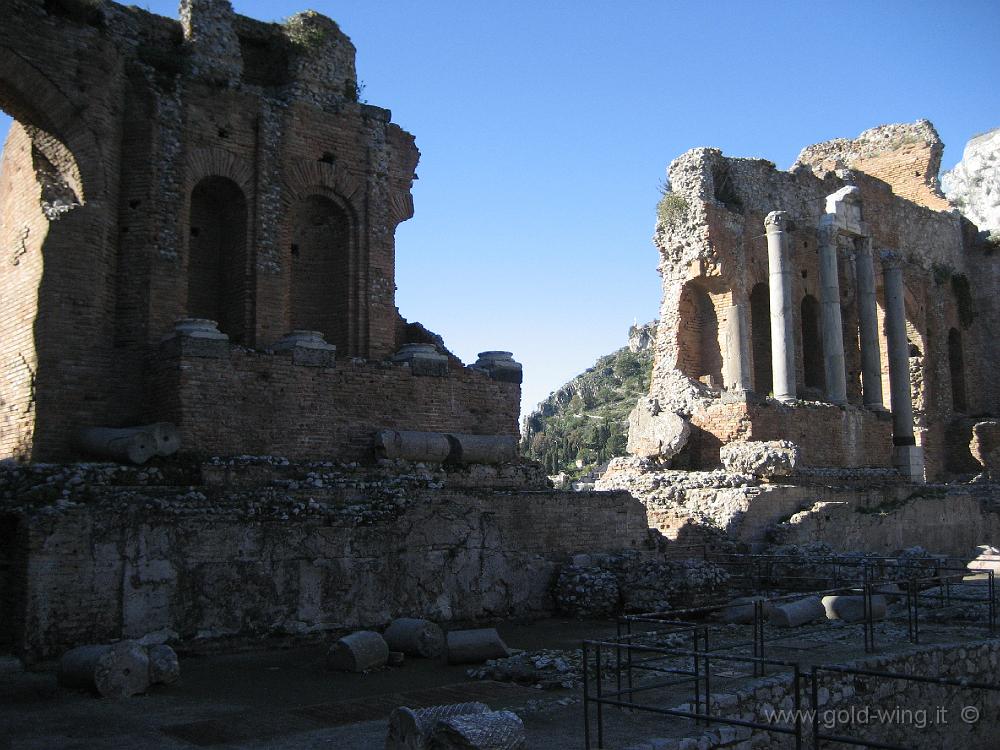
(812, 344)
(217, 258)
(956, 365)
(321, 273)
(760, 338)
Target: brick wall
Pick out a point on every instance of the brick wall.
(135, 134)
(828, 436)
(246, 402)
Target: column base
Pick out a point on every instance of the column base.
(909, 460)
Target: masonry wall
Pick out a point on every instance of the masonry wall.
(136, 111)
(250, 564)
(247, 402)
(710, 236)
(827, 435)
(949, 521)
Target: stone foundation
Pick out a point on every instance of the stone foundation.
(330, 550)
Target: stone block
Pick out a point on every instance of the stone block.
(655, 433)
(195, 337)
(774, 458)
(422, 359)
(308, 348)
(499, 366)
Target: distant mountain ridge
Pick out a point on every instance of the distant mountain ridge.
(585, 422)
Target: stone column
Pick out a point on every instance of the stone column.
(735, 359)
(833, 334)
(780, 282)
(907, 457)
(871, 361)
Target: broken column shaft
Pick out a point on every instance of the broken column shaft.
(782, 331)
(833, 332)
(871, 360)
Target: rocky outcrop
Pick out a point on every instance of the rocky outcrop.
(974, 184)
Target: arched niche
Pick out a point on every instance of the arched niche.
(218, 283)
(320, 259)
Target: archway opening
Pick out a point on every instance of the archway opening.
(812, 344)
(760, 338)
(699, 355)
(217, 258)
(321, 273)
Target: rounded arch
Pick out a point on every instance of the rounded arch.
(29, 97)
(217, 269)
(322, 262)
(699, 355)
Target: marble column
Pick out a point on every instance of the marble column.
(907, 456)
(871, 361)
(833, 332)
(735, 355)
(780, 284)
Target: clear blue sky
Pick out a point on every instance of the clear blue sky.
(545, 128)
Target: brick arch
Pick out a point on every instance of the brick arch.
(28, 96)
(306, 177)
(202, 163)
(218, 261)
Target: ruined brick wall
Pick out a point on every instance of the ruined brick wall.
(905, 156)
(827, 435)
(250, 565)
(710, 236)
(246, 402)
(22, 231)
(176, 134)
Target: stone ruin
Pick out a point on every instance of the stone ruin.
(198, 218)
(826, 338)
(198, 222)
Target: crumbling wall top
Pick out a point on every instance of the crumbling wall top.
(905, 155)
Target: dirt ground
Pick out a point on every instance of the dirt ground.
(285, 698)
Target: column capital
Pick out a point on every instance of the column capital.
(827, 230)
(890, 258)
(777, 221)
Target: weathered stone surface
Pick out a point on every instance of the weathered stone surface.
(987, 557)
(474, 646)
(410, 729)
(164, 667)
(655, 433)
(741, 610)
(797, 613)
(415, 636)
(852, 608)
(496, 730)
(117, 552)
(775, 458)
(358, 652)
(974, 184)
(119, 670)
(985, 447)
(586, 591)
